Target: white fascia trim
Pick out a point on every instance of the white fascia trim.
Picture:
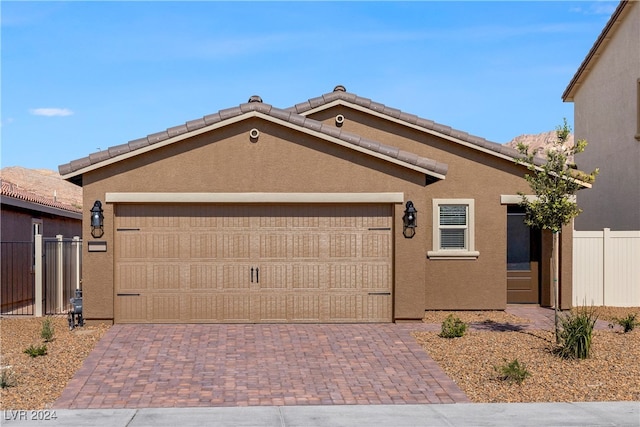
(402, 122)
(242, 117)
(254, 198)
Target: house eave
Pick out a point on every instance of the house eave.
(36, 207)
(382, 115)
(76, 176)
(594, 53)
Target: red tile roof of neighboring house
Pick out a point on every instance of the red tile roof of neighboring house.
(10, 189)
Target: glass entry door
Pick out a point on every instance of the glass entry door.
(523, 259)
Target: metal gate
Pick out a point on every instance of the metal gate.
(17, 281)
(39, 278)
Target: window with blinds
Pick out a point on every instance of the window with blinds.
(453, 224)
(453, 229)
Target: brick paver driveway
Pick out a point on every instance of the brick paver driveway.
(144, 366)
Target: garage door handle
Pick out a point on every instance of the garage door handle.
(128, 295)
(379, 293)
(257, 275)
(251, 274)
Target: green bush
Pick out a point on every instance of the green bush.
(7, 379)
(47, 330)
(628, 323)
(453, 327)
(34, 351)
(576, 333)
(513, 371)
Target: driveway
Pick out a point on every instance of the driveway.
(147, 366)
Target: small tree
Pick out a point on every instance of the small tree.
(554, 183)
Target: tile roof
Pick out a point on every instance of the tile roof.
(296, 116)
(341, 95)
(12, 190)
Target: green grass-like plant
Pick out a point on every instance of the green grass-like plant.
(47, 330)
(513, 371)
(577, 333)
(628, 323)
(7, 378)
(34, 351)
(453, 327)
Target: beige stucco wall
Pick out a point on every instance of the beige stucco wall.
(606, 115)
(463, 284)
(283, 161)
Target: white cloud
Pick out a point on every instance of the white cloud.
(51, 112)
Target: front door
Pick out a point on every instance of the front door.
(523, 259)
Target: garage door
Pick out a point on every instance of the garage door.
(253, 263)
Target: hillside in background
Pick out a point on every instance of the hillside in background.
(538, 142)
(45, 183)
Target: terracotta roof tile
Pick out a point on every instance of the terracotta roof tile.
(351, 138)
(330, 130)
(118, 150)
(158, 137)
(212, 118)
(134, 145)
(196, 124)
(177, 130)
(297, 119)
(104, 155)
(9, 189)
(228, 113)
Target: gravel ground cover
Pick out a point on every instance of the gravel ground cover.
(612, 373)
(39, 381)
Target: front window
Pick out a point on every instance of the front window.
(453, 229)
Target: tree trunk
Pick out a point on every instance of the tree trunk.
(555, 261)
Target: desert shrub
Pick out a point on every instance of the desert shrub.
(513, 371)
(453, 327)
(628, 323)
(576, 333)
(47, 330)
(7, 378)
(34, 351)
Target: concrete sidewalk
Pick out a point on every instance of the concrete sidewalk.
(460, 414)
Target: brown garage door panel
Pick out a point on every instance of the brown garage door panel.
(253, 263)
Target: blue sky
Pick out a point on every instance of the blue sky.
(81, 76)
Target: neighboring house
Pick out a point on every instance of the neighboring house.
(23, 214)
(261, 214)
(606, 95)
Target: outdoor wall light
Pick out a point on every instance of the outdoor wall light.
(409, 221)
(97, 220)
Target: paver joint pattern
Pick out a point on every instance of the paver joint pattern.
(149, 366)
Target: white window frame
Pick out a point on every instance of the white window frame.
(469, 252)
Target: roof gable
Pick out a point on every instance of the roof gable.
(254, 108)
(340, 96)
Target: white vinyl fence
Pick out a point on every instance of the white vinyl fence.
(606, 268)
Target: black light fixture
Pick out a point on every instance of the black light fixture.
(409, 221)
(97, 220)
